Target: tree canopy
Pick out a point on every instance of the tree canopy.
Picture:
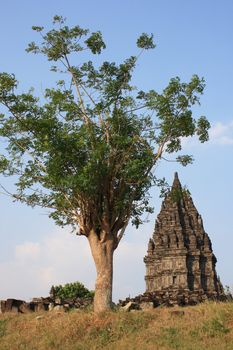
(88, 151)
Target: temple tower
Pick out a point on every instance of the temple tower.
(180, 256)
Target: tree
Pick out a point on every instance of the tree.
(88, 150)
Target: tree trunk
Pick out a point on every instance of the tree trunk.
(102, 253)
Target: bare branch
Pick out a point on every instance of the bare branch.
(169, 160)
(69, 68)
(121, 233)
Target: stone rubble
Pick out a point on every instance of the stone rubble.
(44, 304)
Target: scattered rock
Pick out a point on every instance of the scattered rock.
(39, 317)
(44, 304)
(59, 308)
(25, 308)
(13, 305)
(66, 307)
(14, 309)
(145, 306)
(2, 306)
(51, 306)
(58, 301)
(130, 306)
(40, 307)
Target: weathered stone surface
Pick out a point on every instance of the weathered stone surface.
(25, 308)
(37, 300)
(58, 301)
(130, 306)
(51, 306)
(2, 306)
(66, 307)
(180, 264)
(14, 309)
(146, 306)
(44, 304)
(59, 308)
(13, 305)
(39, 307)
(39, 318)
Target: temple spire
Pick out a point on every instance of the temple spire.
(176, 181)
(180, 261)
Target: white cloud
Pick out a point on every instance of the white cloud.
(61, 258)
(221, 133)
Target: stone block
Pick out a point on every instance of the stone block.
(59, 308)
(58, 301)
(51, 306)
(39, 307)
(146, 306)
(2, 306)
(14, 309)
(25, 308)
(130, 306)
(13, 305)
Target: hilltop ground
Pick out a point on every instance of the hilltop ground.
(208, 326)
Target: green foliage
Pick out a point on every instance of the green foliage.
(88, 153)
(71, 290)
(145, 41)
(228, 292)
(177, 194)
(215, 327)
(171, 336)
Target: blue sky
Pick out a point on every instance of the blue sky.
(192, 37)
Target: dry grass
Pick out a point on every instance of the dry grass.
(207, 326)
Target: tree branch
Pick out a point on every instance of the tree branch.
(69, 68)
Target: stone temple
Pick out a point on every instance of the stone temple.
(180, 263)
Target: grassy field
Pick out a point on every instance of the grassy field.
(207, 326)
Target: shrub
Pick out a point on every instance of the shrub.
(71, 290)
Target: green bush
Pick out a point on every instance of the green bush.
(71, 290)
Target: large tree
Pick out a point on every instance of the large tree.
(87, 149)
